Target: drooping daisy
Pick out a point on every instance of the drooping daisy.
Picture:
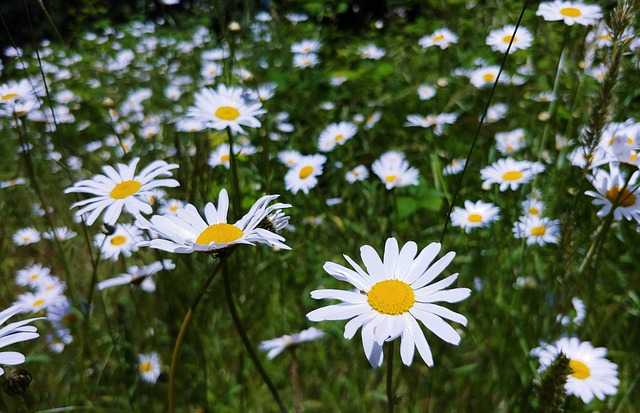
(14, 333)
(225, 107)
(122, 188)
(26, 236)
(432, 120)
(441, 38)
(123, 242)
(187, 232)
(508, 173)
(499, 39)
(138, 275)
(371, 120)
(474, 215)
(455, 167)
(394, 171)
(371, 51)
(611, 190)
(60, 233)
(12, 182)
(592, 375)
(359, 173)
(336, 134)
(304, 175)
(570, 12)
(537, 230)
(392, 295)
(276, 346)
(149, 366)
(580, 310)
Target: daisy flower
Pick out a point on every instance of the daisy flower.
(225, 107)
(306, 46)
(474, 215)
(570, 12)
(39, 300)
(499, 39)
(121, 188)
(391, 296)
(496, 112)
(537, 230)
(336, 134)
(60, 233)
(371, 120)
(432, 120)
(26, 236)
(592, 375)
(508, 173)
(187, 232)
(276, 346)
(138, 276)
(304, 175)
(611, 190)
(16, 91)
(426, 91)
(580, 310)
(305, 60)
(221, 155)
(171, 207)
(532, 207)
(510, 142)
(394, 171)
(289, 157)
(12, 182)
(484, 76)
(31, 276)
(371, 51)
(441, 38)
(359, 173)
(14, 333)
(455, 167)
(149, 366)
(122, 242)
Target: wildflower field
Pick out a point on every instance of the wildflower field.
(309, 207)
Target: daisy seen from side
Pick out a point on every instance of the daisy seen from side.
(188, 232)
(592, 375)
(121, 188)
(613, 191)
(442, 38)
(391, 296)
(275, 346)
(14, 333)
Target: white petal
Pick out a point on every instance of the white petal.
(390, 256)
(372, 262)
(437, 325)
(337, 312)
(421, 263)
(347, 296)
(11, 358)
(434, 271)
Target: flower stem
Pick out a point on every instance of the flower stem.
(245, 339)
(235, 183)
(185, 325)
(295, 381)
(390, 396)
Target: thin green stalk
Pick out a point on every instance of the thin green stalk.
(185, 325)
(390, 395)
(235, 183)
(245, 339)
(295, 381)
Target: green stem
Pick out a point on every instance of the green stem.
(185, 325)
(235, 183)
(245, 339)
(390, 396)
(295, 381)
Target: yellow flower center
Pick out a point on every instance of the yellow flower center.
(507, 39)
(125, 189)
(225, 158)
(306, 171)
(438, 38)
(145, 367)
(118, 240)
(227, 113)
(220, 234)
(390, 178)
(512, 175)
(38, 303)
(338, 138)
(538, 231)
(33, 277)
(475, 218)
(534, 211)
(488, 77)
(391, 297)
(26, 239)
(571, 12)
(9, 96)
(174, 208)
(626, 199)
(579, 370)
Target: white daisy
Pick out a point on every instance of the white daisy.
(499, 39)
(426, 91)
(60, 233)
(391, 296)
(510, 142)
(336, 134)
(537, 230)
(289, 157)
(122, 242)
(171, 207)
(455, 167)
(225, 107)
(532, 207)
(474, 215)
(39, 300)
(371, 51)
(484, 76)
(580, 310)
(138, 275)
(149, 366)
(304, 175)
(359, 173)
(121, 188)
(611, 190)
(508, 173)
(305, 60)
(276, 346)
(14, 333)
(570, 12)
(394, 171)
(592, 375)
(496, 112)
(187, 232)
(30, 276)
(26, 236)
(306, 46)
(221, 155)
(441, 38)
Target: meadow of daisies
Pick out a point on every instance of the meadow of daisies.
(268, 212)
